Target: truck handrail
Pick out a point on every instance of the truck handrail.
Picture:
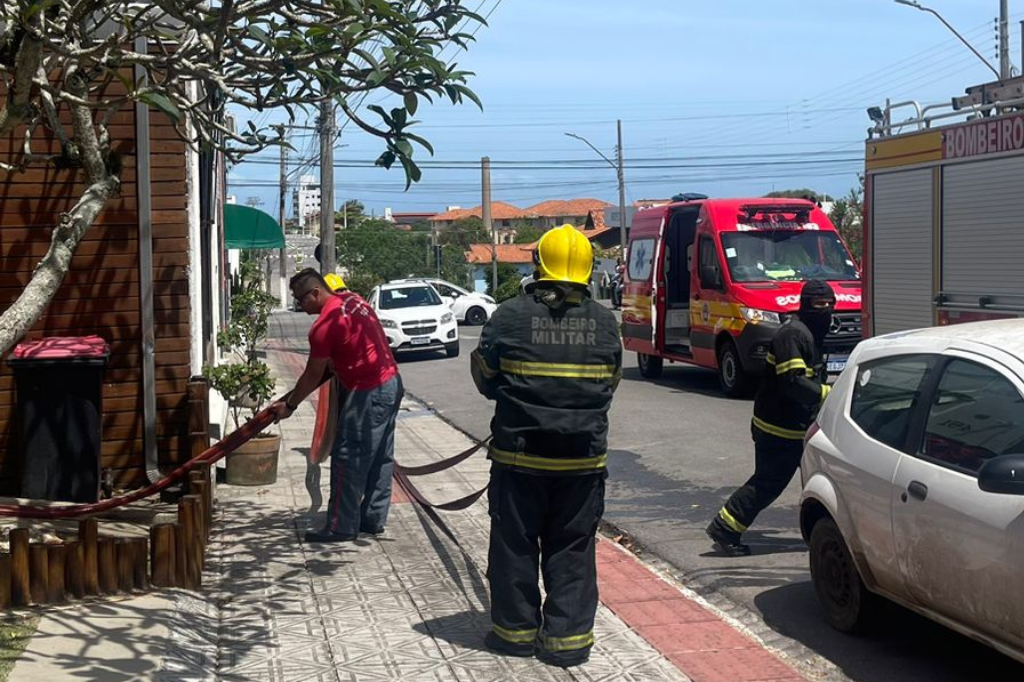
(925, 118)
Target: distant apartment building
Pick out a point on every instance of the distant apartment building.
(306, 200)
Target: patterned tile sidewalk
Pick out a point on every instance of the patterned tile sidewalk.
(409, 605)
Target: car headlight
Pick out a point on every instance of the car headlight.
(446, 318)
(388, 324)
(754, 315)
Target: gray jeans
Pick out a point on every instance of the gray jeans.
(363, 458)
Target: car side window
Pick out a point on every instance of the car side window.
(976, 414)
(885, 395)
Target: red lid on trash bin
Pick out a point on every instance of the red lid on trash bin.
(62, 348)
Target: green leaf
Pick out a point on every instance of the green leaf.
(421, 141)
(412, 171)
(411, 103)
(260, 35)
(404, 148)
(164, 104)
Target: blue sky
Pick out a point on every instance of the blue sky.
(729, 98)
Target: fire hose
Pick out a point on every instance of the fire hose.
(234, 440)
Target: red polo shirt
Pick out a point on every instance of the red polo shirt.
(348, 332)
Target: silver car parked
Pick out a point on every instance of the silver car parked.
(913, 482)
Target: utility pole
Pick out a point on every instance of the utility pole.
(327, 240)
(622, 198)
(488, 223)
(283, 255)
(436, 249)
(1004, 40)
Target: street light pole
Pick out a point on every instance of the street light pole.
(622, 182)
(916, 5)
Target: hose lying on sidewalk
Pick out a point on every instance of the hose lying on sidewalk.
(403, 473)
(247, 431)
(225, 446)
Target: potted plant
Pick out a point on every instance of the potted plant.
(245, 381)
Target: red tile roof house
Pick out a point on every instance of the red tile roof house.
(479, 258)
(588, 214)
(504, 216)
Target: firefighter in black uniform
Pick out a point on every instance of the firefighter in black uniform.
(790, 394)
(550, 359)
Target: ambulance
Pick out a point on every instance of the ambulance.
(709, 281)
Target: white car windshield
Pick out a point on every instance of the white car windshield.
(408, 297)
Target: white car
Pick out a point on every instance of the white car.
(415, 318)
(468, 306)
(913, 482)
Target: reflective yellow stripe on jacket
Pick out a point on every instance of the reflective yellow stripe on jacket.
(788, 434)
(525, 461)
(556, 369)
(789, 365)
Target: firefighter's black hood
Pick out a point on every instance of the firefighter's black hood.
(817, 318)
(557, 294)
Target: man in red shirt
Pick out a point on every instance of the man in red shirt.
(347, 338)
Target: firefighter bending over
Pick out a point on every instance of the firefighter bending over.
(551, 360)
(790, 394)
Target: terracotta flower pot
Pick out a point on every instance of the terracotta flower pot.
(255, 462)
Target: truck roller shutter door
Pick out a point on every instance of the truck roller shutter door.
(901, 250)
(983, 231)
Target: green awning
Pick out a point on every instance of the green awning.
(246, 227)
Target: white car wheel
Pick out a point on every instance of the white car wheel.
(847, 603)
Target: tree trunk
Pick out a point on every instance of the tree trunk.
(49, 274)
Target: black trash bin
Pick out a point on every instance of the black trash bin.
(59, 384)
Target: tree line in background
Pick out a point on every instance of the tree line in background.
(373, 251)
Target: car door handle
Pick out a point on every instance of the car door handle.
(917, 490)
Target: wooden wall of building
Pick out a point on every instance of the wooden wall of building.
(100, 294)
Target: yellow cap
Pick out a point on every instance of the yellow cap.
(564, 254)
(335, 282)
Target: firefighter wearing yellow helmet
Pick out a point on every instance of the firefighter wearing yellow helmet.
(551, 360)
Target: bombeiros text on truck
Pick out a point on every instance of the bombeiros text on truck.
(709, 281)
(944, 210)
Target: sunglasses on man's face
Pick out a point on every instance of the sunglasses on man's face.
(299, 298)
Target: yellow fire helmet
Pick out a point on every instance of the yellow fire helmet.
(564, 254)
(335, 282)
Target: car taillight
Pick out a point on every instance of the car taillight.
(811, 430)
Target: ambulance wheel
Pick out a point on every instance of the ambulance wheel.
(650, 366)
(735, 382)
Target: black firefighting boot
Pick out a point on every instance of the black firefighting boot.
(726, 540)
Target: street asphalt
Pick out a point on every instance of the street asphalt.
(677, 449)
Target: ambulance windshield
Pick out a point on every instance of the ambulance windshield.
(787, 255)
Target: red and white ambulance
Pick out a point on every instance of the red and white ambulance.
(709, 281)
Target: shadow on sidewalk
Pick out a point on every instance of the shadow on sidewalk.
(464, 630)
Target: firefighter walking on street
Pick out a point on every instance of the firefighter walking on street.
(551, 360)
(787, 401)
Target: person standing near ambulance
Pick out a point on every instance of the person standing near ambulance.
(347, 338)
(551, 360)
(787, 401)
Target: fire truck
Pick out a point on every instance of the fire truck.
(944, 210)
